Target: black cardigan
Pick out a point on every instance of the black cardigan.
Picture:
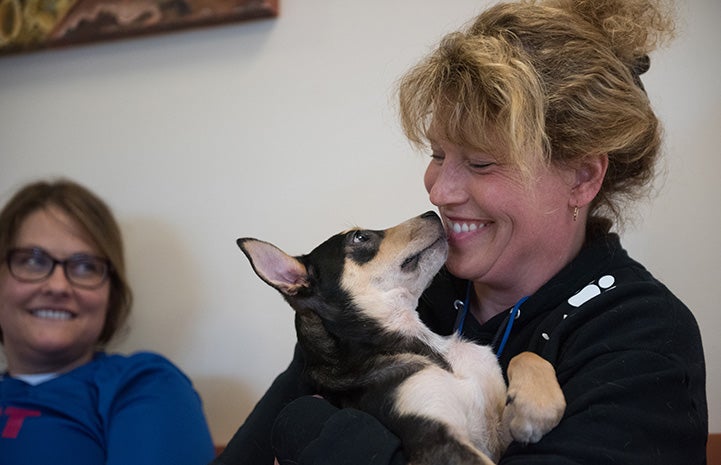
(627, 354)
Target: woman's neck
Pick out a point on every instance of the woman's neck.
(490, 299)
(43, 365)
(485, 306)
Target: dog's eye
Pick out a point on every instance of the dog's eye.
(360, 236)
(410, 263)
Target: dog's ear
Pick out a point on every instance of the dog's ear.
(283, 272)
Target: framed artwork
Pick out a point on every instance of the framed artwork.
(27, 25)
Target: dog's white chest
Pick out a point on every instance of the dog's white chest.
(469, 399)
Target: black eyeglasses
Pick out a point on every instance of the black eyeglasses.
(35, 265)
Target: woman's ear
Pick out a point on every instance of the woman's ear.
(589, 178)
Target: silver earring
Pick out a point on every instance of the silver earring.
(575, 213)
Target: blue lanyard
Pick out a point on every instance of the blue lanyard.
(509, 325)
(462, 307)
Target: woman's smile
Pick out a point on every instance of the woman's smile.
(52, 314)
(461, 229)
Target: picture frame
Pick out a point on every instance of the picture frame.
(27, 25)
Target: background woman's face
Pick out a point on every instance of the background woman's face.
(51, 321)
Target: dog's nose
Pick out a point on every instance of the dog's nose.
(429, 214)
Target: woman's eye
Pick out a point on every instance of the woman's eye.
(85, 267)
(34, 261)
(437, 157)
(410, 263)
(480, 165)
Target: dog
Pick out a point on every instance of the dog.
(355, 299)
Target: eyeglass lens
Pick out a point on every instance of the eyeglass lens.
(36, 264)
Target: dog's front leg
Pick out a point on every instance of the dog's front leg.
(535, 402)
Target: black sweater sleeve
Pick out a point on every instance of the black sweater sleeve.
(251, 444)
(310, 431)
(291, 424)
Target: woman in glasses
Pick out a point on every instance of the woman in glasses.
(63, 296)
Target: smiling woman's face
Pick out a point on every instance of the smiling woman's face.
(502, 231)
(50, 325)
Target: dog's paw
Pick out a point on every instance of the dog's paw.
(535, 403)
(529, 421)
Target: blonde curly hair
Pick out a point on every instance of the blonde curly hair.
(549, 82)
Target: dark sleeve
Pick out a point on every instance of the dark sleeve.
(251, 444)
(634, 380)
(288, 422)
(310, 431)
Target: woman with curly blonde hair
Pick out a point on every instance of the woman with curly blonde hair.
(541, 134)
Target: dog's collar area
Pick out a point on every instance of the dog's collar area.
(462, 312)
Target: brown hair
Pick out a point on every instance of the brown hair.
(94, 217)
(555, 81)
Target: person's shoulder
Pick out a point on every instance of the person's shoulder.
(126, 368)
(141, 358)
(627, 308)
(630, 280)
(615, 296)
(637, 287)
(628, 292)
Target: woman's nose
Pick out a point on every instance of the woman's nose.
(444, 184)
(57, 280)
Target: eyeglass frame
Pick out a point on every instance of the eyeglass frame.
(64, 263)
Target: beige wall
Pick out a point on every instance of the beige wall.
(285, 130)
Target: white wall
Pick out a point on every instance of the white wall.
(285, 130)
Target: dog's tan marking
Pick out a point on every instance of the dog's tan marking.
(536, 401)
(388, 294)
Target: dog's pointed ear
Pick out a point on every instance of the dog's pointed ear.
(283, 272)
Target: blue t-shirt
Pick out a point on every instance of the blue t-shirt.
(116, 410)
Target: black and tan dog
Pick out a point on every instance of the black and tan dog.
(355, 297)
